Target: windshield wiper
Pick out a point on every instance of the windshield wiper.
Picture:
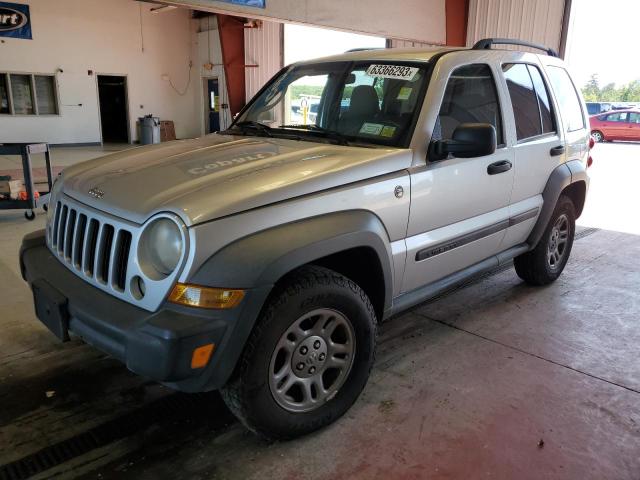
(331, 134)
(261, 127)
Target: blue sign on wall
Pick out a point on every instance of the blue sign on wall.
(248, 3)
(15, 20)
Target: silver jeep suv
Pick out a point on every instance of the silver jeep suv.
(260, 260)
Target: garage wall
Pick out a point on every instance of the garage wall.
(262, 47)
(537, 21)
(394, 43)
(106, 37)
(418, 20)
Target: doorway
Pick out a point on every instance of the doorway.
(212, 110)
(114, 117)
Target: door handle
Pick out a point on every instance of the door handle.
(555, 151)
(499, 167)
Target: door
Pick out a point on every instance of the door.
(634, 126)
(616, 126)
(213, 105)
(539, 147)
(114, 117)
(459, 206)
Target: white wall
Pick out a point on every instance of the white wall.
(418, 20)
(106, 37)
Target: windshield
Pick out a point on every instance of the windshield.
(352, 102)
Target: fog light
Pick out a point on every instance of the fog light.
(201, 356)
(205, 297)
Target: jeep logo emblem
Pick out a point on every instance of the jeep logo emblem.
(96, 193)
(11, 19)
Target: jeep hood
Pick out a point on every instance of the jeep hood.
(216, 175)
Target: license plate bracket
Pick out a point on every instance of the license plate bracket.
(51, 308)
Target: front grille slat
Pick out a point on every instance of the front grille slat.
(69, 234)
(61, 227)
(120, 259)
(103, 258)
(56, 223)
(78, 243)
(90, 247)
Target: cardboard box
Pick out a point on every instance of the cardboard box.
(167, 131)
(11, 188)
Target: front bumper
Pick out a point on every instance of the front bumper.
(157, 345)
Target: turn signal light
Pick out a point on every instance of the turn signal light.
(201, 356)
(205, 297)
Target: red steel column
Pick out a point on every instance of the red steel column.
(232, 43)
(457, 14)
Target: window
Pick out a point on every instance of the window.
(361, 102)
(46, 95)
(617, 117)
(567, 96)
(470, 97)
(27, 94)
(530, 100)
(21, 94)
(634, 117)
(4, 95)
(542, 92)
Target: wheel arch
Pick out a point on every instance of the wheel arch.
(343, 241)
(570, 179)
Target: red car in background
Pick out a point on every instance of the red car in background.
(616, 125)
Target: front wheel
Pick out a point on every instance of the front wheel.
(545, 263)
(308, 358)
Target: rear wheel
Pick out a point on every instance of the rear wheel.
(308, 358)
(598, 136)
(545, 263)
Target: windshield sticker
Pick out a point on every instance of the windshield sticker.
(371, 128)
(405, 93)
(388, 132)
(392, 71)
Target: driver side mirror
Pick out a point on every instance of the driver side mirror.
(469, 140)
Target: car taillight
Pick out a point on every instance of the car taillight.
(592, 143)
(589, 161)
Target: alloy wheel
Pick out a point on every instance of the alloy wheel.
(312, 360)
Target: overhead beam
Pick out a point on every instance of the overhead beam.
(412, 20)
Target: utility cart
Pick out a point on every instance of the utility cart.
(31, 201)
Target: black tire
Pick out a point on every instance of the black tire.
(536, 267)
(249, 393)
(29, 215)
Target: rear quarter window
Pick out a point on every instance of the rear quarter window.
(567, 97)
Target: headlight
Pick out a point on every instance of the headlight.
(160, 247)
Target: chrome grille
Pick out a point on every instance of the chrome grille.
(91, 246)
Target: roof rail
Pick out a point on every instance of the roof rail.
(486, 43)
(363, 49)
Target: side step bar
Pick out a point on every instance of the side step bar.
(419, 295)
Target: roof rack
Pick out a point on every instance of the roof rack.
(363, 49)
(486, 43)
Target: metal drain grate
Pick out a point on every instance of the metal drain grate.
(161, 410)
(585, 233)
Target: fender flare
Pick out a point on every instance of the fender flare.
(263, 258)
(562, 176)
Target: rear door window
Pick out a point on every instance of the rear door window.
(617, 117)
(530, 100)
(567, 96)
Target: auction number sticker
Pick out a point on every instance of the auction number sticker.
(401, 72)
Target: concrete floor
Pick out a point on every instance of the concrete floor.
(494, 380)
